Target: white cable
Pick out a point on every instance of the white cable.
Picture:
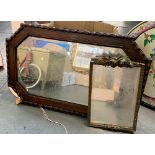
(54, 122)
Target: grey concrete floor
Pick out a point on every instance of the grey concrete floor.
(23, 119)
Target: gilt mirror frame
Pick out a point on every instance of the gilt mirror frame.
(114, 61)
(126, 43)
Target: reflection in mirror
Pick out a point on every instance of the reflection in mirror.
(57, 69)
(114, 95)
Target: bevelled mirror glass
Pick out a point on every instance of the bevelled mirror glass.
(57, 69)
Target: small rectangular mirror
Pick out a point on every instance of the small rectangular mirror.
(115, 94)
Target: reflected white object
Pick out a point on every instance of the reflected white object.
(68, 78)
(71, 78)
(65, 80)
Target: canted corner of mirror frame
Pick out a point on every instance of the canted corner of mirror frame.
(126, 43)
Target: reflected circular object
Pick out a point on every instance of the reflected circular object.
(31, 80)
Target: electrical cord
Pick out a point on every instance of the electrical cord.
(53, 122)
(43, 111)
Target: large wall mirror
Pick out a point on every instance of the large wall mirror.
(50, 67)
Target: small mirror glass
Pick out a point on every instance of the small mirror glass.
(115, 93)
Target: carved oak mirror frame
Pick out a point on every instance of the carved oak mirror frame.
(127, 44)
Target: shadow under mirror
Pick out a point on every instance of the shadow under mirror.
(57, 69)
